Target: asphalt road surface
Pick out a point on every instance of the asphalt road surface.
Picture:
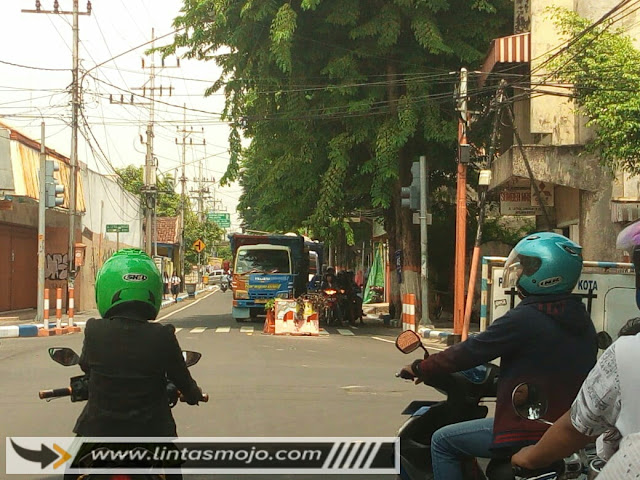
(335, 385)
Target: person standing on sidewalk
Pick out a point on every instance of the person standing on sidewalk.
(165, 284)
(175, 286)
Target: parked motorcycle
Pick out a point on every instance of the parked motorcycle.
(78, 390)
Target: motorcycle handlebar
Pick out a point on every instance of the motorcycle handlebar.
(404, 374)
(55, 393)
(204, 398)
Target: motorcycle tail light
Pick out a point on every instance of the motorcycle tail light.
(341, 290)
(120, 477)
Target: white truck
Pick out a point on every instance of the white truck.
(608, 290)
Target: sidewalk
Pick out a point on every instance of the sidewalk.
(22, 323)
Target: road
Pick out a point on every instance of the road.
(260, 385)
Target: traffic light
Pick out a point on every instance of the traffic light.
(53, 190)
(411, 195)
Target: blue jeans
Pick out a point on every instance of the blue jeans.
(451, 444)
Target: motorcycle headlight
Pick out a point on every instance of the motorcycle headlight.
(242, 295)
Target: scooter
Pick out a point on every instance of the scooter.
(464, 391)
(331, 312)
(78, 390)
(225, 282)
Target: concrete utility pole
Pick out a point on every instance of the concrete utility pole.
(461, 209)
(42, 208)
(75, 106)
(149, 189)
(183, 182)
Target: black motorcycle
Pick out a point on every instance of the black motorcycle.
(78, 390)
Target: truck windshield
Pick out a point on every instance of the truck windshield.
(263, 261)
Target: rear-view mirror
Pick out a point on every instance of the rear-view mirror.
(529, 402)
(604, 340)
(408, 341)
(64, 356)
(191, 358)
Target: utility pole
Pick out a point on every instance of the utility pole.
(149, 189)
(461, 209)
(183, 182)
(42, 208)
(75, 105)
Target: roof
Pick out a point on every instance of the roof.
(511, 49)
(168, 230)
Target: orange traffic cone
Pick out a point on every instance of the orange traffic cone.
(270, 323)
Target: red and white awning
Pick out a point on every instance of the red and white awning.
(511, 49)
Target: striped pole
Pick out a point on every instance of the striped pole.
(409, 312)
(58, 308)
(70, 310)
(45, 313)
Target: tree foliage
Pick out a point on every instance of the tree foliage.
(602, 64)
(336, 96)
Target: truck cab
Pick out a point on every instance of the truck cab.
(260, 272)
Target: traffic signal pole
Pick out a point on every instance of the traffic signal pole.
(424, 270)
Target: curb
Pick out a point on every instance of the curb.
(37, 330)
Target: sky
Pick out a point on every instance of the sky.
(44, 42)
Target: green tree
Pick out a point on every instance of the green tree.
(168, 202)
(168, 205)
(602, 64)
(338, 97)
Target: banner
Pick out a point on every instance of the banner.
(289, 455)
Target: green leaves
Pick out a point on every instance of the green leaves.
(603, 67)
(282, 29)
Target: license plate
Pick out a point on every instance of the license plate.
(260, 300)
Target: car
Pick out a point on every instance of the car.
(215, 276)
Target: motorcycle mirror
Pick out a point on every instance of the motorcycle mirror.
(604, 340)
(191, 358)
(529, 402)
(408, 341)
(64, 356)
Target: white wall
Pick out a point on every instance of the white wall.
(108, 203)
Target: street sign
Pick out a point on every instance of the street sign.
(222, 219)
(198, 245)
(517, 201)
(117, 228)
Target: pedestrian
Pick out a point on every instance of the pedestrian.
(175, 286)
(165, 283)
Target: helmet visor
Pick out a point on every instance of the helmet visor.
(518, 265)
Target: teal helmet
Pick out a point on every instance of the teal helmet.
(543, 263)
(129, 284)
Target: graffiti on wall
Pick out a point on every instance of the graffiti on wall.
(57, 267)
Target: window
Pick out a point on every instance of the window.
(262, 261)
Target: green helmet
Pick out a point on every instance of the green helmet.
(129, 283)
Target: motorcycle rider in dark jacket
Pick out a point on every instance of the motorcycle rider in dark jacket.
(129, 359)
(548, 340)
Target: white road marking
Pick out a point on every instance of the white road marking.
(184, 308)
(342, 331)
(223, 329)
(323, 332)
(246, 330)
(197, 330)
(383, 339)
(178, 329)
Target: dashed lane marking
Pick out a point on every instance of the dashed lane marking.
(223, 329)
(323, 332)
(197, 330)
(248, 330)
(343, 331)
(178, 329)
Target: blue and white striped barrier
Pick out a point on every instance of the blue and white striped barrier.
(428, 333)
(13, 331)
